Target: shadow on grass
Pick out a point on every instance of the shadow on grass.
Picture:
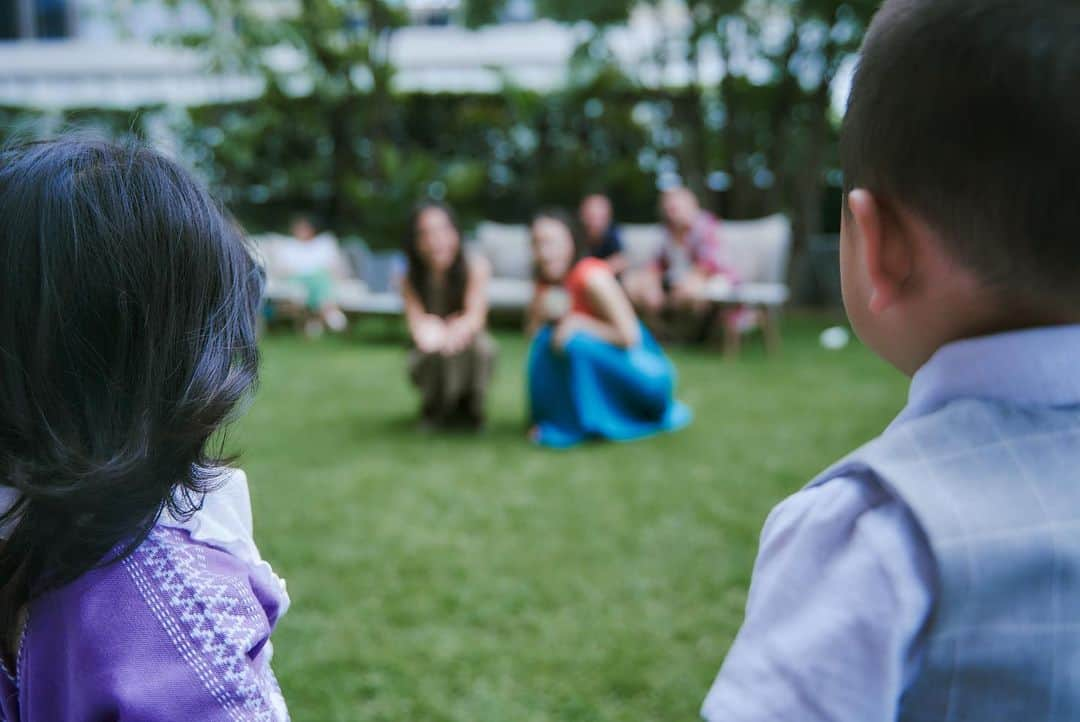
(406, 427)
(379, 331)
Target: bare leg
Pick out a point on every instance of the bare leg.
(687, 302)
(646, 292)
(333, 317)
(732, 340)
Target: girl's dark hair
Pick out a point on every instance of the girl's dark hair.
(129, 335)
(419, 278)
(561, 216)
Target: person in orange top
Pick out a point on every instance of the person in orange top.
(594, 371)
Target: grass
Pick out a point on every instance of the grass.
(480, 579)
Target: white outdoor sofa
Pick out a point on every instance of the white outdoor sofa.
(351, 294)
(758, 251)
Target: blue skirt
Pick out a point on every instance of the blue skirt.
(595, 390)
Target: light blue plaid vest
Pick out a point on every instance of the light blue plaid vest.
(996, 488)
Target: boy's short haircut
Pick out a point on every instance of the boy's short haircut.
(967, 113)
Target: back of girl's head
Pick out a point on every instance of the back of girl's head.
(128, 338)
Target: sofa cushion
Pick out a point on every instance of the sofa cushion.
(507, 248)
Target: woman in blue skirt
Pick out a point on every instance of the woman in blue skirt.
(595, 372)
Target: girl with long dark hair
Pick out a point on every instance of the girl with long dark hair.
(130, 585)
(446, 306)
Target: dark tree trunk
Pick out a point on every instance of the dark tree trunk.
(779, 129)
(341, 121)
(809, 220)
(736, 194)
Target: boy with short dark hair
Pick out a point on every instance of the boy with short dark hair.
(934, 574)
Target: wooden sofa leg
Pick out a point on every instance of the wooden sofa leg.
(771, 326)
(710, 315)
(732, 341)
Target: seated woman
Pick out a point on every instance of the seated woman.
(594, 370)
(314, 260)
(445, 294)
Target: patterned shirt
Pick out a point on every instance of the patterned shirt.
(701, 250)
(179, 630)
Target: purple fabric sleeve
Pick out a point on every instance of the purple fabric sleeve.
(178, 631)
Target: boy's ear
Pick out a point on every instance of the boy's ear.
(886, 249)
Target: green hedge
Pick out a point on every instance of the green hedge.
(498, 157)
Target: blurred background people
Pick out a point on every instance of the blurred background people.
(600, 234)
(691, 255)
(594, 371)
(314, 260)
(446, 307)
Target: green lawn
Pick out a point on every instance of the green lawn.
(481, 579)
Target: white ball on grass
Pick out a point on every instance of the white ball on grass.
(835, 338)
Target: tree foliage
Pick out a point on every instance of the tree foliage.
(331, 135)
(763, 138)
(319, 136)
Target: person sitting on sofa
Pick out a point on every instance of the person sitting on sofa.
(600, 233)
(314, 260)
(690, 256)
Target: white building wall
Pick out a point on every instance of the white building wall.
(112, 61)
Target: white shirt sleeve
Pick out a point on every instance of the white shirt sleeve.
(842, 589)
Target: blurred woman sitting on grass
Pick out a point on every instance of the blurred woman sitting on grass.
(446, 307)
(594, 370)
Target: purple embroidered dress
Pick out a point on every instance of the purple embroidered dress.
(179, 630)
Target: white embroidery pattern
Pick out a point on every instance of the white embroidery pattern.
(213, 621)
